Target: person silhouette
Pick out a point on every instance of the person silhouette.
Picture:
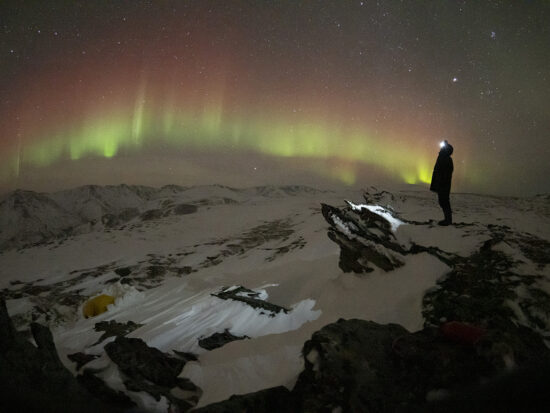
(441, 181)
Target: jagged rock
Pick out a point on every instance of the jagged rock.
(81, 358)
(33, 377)
(139, 361)
(250, 298)
(350, 365)
(217, 340)
(276, 399)
(112, 328)
(364, 238)
(100, 390)
(148, 369)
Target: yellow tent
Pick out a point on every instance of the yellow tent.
(97, 305)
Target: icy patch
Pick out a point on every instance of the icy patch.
(377, 209)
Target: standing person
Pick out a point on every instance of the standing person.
(441, 181)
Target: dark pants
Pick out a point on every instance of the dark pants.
(445, 204)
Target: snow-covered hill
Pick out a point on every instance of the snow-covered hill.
(241, 278)
(29, 218)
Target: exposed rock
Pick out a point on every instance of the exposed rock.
(350, 365)
(81, 358)
(250, 298)
(127, 214)
(33, 377)
(100, 390)
(139, 361)
(185, 356)
(148, 369)
(184, 209)
(185, 270)
(362, 366)
(218, 340)
(276, 399)
(123, 271)
(155, 271)
(112, 328)
(364, 238)
(152, 214)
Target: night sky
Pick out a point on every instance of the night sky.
(242, 93)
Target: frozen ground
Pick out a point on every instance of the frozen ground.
(164, 253)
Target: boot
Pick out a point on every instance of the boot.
(448, 218)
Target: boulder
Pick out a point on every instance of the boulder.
(149, 369)
(217, 340)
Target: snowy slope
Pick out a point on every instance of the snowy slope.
(166, 260)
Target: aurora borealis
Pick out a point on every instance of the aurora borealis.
(254, 92)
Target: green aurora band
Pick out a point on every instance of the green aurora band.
(107, 135)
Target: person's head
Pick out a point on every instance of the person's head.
(446, 148)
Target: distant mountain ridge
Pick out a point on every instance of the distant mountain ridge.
(29, 218)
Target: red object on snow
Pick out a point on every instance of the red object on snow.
(462, 332)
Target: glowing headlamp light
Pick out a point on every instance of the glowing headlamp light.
(441, 144)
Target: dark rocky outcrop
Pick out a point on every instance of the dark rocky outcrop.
(350, 365)
(217, 340)
(250, 298)
(149, 369)
(33, 377)
(81, 358)
(276, 399)
(365, 239)
(101, 391)
(112, 328)
(361, 366)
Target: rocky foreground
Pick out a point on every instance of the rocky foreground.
(472, 355)
(482, 347)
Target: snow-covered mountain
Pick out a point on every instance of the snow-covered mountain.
(233, 282)
(29, 218)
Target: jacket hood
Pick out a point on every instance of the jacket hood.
(447, 149)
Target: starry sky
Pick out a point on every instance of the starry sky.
(242, 93)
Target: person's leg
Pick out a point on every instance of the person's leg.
(445, 204)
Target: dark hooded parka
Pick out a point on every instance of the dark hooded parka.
(443, 170)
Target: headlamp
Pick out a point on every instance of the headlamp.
(441, 144)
